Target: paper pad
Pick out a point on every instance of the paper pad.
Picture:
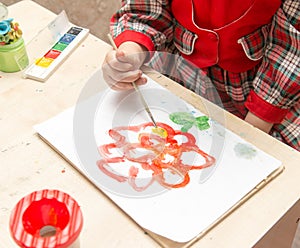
(179, 214)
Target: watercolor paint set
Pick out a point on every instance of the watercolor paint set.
(43, 67)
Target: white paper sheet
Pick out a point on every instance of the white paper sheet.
(179, 214)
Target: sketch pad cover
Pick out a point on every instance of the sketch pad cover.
(177, 203)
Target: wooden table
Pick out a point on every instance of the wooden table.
(28, 164)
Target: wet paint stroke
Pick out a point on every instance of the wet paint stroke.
(162, 155)
(187, 121)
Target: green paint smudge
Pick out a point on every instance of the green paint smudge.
(187, 121)
(244, 151)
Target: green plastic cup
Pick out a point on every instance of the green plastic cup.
(13, 57)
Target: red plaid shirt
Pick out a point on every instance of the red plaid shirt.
(270, 90)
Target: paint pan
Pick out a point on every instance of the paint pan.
(46, 218)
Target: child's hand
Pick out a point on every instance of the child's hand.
(121, 67)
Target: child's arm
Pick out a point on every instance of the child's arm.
(277, 85)
(147, 22)
(258, 122)
(138, 27)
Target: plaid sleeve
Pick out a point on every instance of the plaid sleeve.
(148, 22)
(277, 84)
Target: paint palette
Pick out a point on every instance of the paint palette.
(46, 65)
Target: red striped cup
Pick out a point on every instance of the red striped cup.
(46, 218)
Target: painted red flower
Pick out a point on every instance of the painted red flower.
(160, 154)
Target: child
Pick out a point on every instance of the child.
(249, 50)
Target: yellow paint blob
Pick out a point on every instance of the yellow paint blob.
(160, 131)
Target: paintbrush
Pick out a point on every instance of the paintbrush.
(146, 107)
